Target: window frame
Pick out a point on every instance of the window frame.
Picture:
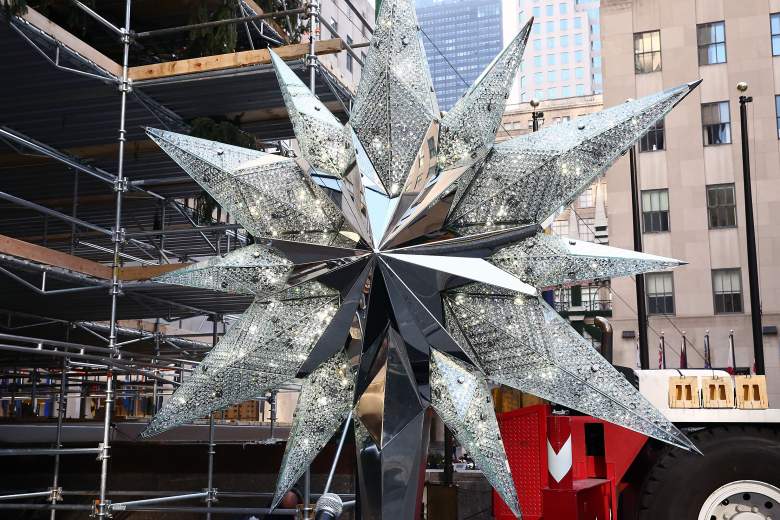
(773, 35)
(709, 125)
(639, 37)
(700, 46)
(350, 64)
(777, 111)
(652, 276)
(710, 207)
(648, 214)
(715, 295)
(645, 141)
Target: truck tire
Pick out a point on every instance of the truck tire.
(739, 471)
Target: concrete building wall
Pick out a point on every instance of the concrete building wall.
(686, 167)
(349, 28)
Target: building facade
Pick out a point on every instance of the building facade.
(350, 28)
(690, 173)
(461, 38)
(563, 56)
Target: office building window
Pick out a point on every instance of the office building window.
(537, 11)
(537, 61)
(550, 26)
(578, 56)
(655, 211)
(579, 89)
(560, 228)
(538, 78)
(647, 52)
(349, 56)
(550, 43)
(539, 94)
(564, 24)
(660, 293)
(565, 90)
(565, 73)
(727, 290)
(335, 25)
(777, 114)
(564, 41)
(774, 24)
(551, 59)
(653, 140)
(537, 45)
(564, 58)
(579, 72)
(716, 123)
(712, 43)
(578, 23)
(721, 206)
(586, 229)
(552, 92)
(550, 75)
(578, 39)
(585, 199)
(548, 10)
(536, 29)
(563, 8)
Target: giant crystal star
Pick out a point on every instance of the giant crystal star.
(398, 265)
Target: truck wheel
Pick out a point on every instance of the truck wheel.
(738, 478)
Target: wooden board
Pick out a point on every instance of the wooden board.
(68, 40)
(44, 255)
(684, 392)
(751, 392)
(717, 392)
(145, 272)
(231, 60)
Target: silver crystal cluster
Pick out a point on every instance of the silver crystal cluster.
(415, 299)
(461, 397)
(325, 401)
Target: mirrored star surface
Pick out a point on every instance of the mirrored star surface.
(398, 266)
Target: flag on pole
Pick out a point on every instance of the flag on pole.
(661, 352)
(707, 357)
(732, 361)
(683, 353)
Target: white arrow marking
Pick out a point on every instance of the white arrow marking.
(559, 464)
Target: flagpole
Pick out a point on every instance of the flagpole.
(707, 358)
(733, 352)
(663, 350)
(683, 352)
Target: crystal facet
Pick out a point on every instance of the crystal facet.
(325, 401)
(461, 398)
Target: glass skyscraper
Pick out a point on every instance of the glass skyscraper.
(464, 35)
(563, 56)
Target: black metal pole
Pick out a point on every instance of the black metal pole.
(641, 309)
(750, 232)
(448, 468)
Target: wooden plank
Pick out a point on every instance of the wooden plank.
(145, 272)
(44, 255)
(68, 40)
(232, 60)
(270, 21)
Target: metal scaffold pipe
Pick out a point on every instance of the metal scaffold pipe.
(102, 506)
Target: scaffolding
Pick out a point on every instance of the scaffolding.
(83, 251)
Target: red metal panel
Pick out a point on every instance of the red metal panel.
(524, 432)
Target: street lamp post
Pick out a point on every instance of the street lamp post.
(535, 115)
(750, 232)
